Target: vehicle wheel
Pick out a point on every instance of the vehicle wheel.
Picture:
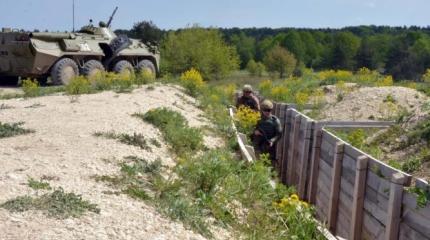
(43, 80)
(123, 66)
(146, 65)
(92, 67)
(64, 71)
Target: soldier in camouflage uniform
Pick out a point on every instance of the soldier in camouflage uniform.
(248, 99)
(267, 132)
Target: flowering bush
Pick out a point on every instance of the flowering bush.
(426, 76)
(192, 81)
(329, 77)
(298, 217)
(386, 82)
(279, 93)
(301, 98)
(246, 119)
(265, 87)
(30, 88)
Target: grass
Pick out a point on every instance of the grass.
(13, 129)
(57, 204)
(182, 138)
(137, 139)
(38, 185)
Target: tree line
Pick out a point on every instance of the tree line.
(403, 52)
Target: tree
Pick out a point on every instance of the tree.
(280, 60)
(344, 49)
(293, 43)
(147, 32)
(199, 48)
(245, 47)
(255, 68)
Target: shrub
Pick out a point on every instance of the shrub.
(265, 86)
(37, 185)
(31, 88)
(192, 81)
(255, 68)
(78, 85)
(386, 82)
(426, 76)
(330, 77)
(145, 77)
(301, 99)
(246, 119)
(57, 204)
(279, 93)
(10, 130)
(102, 80)
(123, 82)
(183, 139)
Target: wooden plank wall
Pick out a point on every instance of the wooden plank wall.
(355, 195)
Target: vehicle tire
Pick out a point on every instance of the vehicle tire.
(92, 67)
(122, 66)
(146, 64)
(64, 71)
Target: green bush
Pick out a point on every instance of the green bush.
(78, 85)
(57, 204)
(13, 129)
(31, 88)
(183, 139)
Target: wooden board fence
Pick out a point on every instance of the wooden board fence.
(355, 195)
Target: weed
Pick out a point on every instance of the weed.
(10, 130)
(78, 85)
(57, 204)
(246, 119)
(423, 196)
(390, 98)
(137, 139)
(192, 81)
(411, 165)
(145, 77)
(38, 185)
(174, 127)
(31, 88)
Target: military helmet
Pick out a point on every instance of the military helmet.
(266, 104)
(247, 88)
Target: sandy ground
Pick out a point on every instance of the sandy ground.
(63, 147)
(367, 104)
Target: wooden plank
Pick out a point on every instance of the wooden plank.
(329, 137)
(326, 170)
(375, 211)
(380, 185)
(327, 153)
(342, 226)
(407, 233)
(315, 158)
(324, 185)
(374, 228)
(410, 202)
(358, 198)
(348, 162)
(422, 184)
(348, 175)
(243, 138)
(357, 124)
(303, 176)
(347, 188)
(335, 186)
(416, 221)
(292, 152)
(280, 146)
(377, 166)
(286, 145)
(394, 206)
(251, 151)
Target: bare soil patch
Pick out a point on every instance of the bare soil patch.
(64, 150)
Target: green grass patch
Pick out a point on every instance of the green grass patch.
(57, 204)
(38, 185)
(182, 138)
(13, 129)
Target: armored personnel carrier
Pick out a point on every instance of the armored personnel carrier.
(62, 56)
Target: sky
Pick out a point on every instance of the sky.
(56, 15)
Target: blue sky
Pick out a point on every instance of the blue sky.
(173, 14)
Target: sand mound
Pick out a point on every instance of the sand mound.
(64, 148)
(373, 103)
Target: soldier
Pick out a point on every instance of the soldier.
(267, 132)
(248, 99)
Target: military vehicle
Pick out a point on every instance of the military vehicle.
(62, 56)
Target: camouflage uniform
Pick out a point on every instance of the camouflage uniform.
(271, 130)
(248, 100)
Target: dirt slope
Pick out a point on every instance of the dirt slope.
(370, 103)
(63, 147)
